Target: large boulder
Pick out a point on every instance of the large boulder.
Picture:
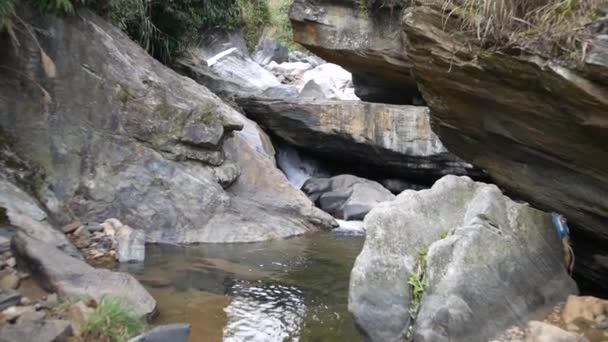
(123, 136)
(367, 41)
(490, 263)
(377, 138)
(346, 197)
(69, 277)
(537, 126)
(221, 62)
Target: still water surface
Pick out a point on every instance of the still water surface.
(285, 290)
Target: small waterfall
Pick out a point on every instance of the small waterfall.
(296, 167)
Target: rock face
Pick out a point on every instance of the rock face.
(537, 127)
(58, 272)
(394, 140)
(369, 43)
(222, 64)
(488, 257)
(120, 135)
(346, 197)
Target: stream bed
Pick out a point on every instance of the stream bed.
(283, 290)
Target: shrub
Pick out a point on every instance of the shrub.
(113, 319)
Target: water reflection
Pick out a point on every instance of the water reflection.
(286, 290)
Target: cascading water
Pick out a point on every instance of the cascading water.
(296, 167)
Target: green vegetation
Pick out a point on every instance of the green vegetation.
(553, 27)
(113, 320)
(417, 281)
(166, 29)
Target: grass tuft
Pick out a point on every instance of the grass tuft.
(113, 319)
(551, 27)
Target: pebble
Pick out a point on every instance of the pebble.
(69, 228)
(82, 243)
(25, 301)
(11, 314)
(572, 327)
(11, 262)
(9, 281)
(81, 231)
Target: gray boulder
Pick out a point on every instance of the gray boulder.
(37, 331)
(123, 136)
(491, 262)
(346, 197)
(165, 333)
(57, 272)
(386, 140)
(269, 50)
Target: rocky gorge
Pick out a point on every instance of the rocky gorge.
(172, 187)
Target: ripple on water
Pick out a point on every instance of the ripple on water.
(264, 313)
(284, 290)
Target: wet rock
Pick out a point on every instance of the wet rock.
(172, 332)
(586, 308)
(346, 197)
(131, 244)
(371, 44)
(70, 277)
(542, 332)
(269, 50)
(8, 298)
(486, 256)
(37, 331)
(356, 133)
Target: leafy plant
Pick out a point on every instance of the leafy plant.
(113, 319)
(417, 281)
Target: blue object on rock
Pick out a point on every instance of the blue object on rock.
(560, 227)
